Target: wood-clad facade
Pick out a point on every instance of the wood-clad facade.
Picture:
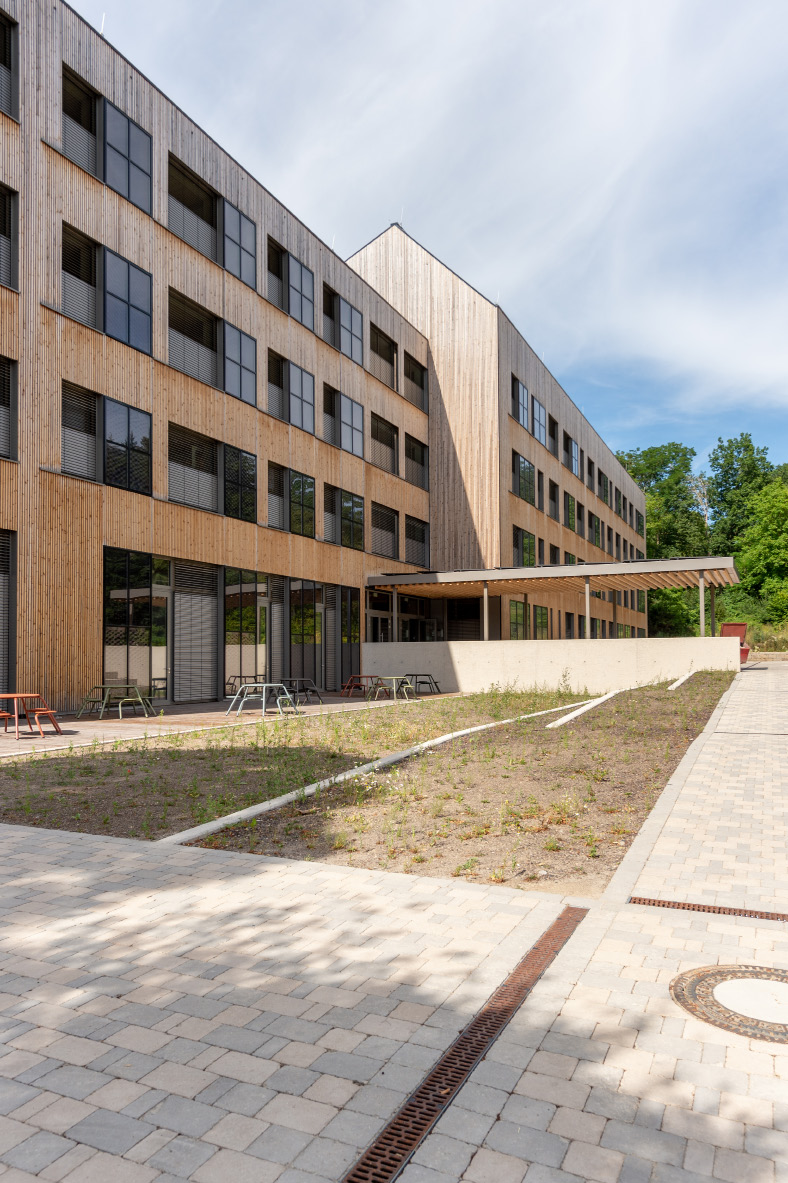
(478, 356)
(426, 363)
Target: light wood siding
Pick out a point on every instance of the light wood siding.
(63, 522)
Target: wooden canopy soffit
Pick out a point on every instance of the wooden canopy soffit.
(516, 581)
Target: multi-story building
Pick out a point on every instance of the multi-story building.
(213, 430)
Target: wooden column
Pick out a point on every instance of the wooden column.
(712, 590)
(702, 598)
(486, 613)
(615, 614)
(394, 613)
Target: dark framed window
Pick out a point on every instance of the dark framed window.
(192, 209)
(351, 332)
(571, 454)
(302, 398)
(417, 462)
(128, 152)
(351, 426)
(276, 385)
(569, 559)
(518, 620)
(385, 531)
(580, 515)
(127, 447)
(9, 85)
(7, 407)
(523, 478)
(240, 364)
(539, 427)
(617, 501)
(302, 293)
(417, 542)
(552, 500)
(240, 245)
(193, 468)
(8, 237)
(541, 623)
(384, 448)
(78, 438)
(240, 484)
(276, 280)
(519, 402)
(302, 504)
(590, 474)
(382, 356)
(524, 548)
(555, 556)
(639, 525)
(352, 520)
(128, 301)
(602, 486)
(415, 387)
(569, 511)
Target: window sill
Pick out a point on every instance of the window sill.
(82, 169)
(200, 508)
(10, 287)
(72, 476)
(9, 459)
(14, 118)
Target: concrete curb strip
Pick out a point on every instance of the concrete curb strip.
(586, 707)
(680, 681)
(231, 819)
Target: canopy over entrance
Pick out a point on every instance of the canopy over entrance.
(583, 578)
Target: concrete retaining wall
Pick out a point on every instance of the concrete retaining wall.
(595, 665)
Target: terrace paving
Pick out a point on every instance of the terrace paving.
(174, 1013)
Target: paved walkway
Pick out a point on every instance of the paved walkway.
(170, 1013)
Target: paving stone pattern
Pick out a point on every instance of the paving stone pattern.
(171, 1014)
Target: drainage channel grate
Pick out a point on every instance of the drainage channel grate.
(719, 911)
(393, 1147)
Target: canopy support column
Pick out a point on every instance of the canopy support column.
(702, 601)
(394, 614)
(712, 590)
(588, 608)
(486, 613)
(615, 614)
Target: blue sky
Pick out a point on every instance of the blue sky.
(613, 173)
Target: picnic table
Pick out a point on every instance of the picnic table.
(303, 688)
(32, 704)
(358, 684)
(373, 685)
(263, 690)
(112, 694)
(427, 680)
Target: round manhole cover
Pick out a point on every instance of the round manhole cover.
(749, 1000)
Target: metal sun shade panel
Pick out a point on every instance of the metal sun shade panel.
(79, 145)
(385, 524)
(78, 432)
(5, 406)
(5, 608)
(196, 632)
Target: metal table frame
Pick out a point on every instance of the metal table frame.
(261, 690)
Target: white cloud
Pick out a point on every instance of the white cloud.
(616, 171)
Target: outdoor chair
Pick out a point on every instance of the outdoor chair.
(734, 629)
(5, 716)
(47, 713)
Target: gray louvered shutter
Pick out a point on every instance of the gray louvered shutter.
(79, 144)
(331, 524)
(384, 444)
(276, 496)
(331, 634)
(196, 632)
(276, 651)
(385, 525)
(78, 432)
(5, 608)
(416, 548)
(193, 469)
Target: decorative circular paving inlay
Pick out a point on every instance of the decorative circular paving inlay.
(749, 1000)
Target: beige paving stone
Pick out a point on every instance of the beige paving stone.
(297, 1113)
(236, 1132)
(228, 1166)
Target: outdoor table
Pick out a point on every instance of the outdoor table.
(421, 679)
(21, 697)
(364, 683)
(261, 690)
(304, 686)
(393, 684)
(115, 694)
(236, 680)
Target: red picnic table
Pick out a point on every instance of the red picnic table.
(29, 708)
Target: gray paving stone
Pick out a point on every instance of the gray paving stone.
(140, 1106)
(37, 1153)
(327, 1157)
(247, 1099)
(537, 1115)
(13, 1094)
(130, 1065)
(530, 1144)
(181, 1051)
(497, 1076)
(465, 1125)
(36, 1071)
(71, 1081)
(609, 1104)
(480, 1098)
(279, 1144)
(646, 1143)
(355, 1129)
(292, 1080)
(445, 1154)
(184, 1116)
(112, 1132)
(235, 1039)
(181, 1157)
(357, 1068)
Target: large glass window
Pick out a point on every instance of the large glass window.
(302, 398)
(518, 620)
(540, 421)
(128, 153)
(302, 293)
(352, 426)
(302, 504)
(240, 484)
(240, 245)
(524, 548)
(519, 402)
(541, 623)
(240, 364)
(352, 534)
(351, 329)
(639, 525)
(128, 302)
(569, 511)
(523, 478)
(136, 620)
(127, 447)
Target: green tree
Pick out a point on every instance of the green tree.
(739, 470)
(763, 554)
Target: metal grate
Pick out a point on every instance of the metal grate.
(754, 914)
(393, 1147)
